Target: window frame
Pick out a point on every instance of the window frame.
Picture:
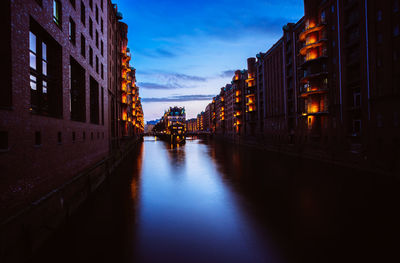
(57, 13)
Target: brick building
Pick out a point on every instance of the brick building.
(329, 86)
(53, 116)
(60, 105)
(191, 125)
(239, 106)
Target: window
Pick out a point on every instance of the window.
(83, 46)
(94, 101)
(379, 15)
(45, 72)
(97, 64)
(380, 38)
(396, 31)
(102, 71)
(73, 136)
(72, 31)
(91, 4)
(77, 91)
(72, 3)
(38, 138)
(83, 13)
(102, 25)
(59, 137)
(102, 107)
(90, 56)
(101, 4)
(90, 27)
(97, 14)
(356, 127)
(40, 2)
(356, 99)
(102, 48)
(396, 6)
(84, 136)
(97, 39)
(3, 140)
(379, 120)
(323, 17)
(57, 12)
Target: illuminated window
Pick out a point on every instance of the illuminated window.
(57, 12)
(72, 31)
(45, 99)
(323, 17)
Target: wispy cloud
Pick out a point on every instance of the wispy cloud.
(227, 73)
(172, 76)
(179, 98)
(149, 85)
(158, 53)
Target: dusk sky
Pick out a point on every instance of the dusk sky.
(185, 51)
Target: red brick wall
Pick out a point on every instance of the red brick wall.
(28, 171)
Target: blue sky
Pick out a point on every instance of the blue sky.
(185, 51)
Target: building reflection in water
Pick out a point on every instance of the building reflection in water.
(316, 212)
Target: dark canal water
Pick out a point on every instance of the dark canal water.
(213, 202)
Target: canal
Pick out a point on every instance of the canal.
(216, 202)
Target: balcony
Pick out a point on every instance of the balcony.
(305, 92)
(310, 30)
(310, 76)
(310, 60)
(303, 50)
(317, 113)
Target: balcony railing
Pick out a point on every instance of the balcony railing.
(310, 30)
(305, 92)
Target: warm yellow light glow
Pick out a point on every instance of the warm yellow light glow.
(311, 54)
(124, 98)
(314, 107)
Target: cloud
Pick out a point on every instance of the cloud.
(149, 85)
(227, 73)
(179, 98)
(158, 53)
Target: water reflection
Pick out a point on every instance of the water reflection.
(213, 202)
(195, 219)
(315, 212)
